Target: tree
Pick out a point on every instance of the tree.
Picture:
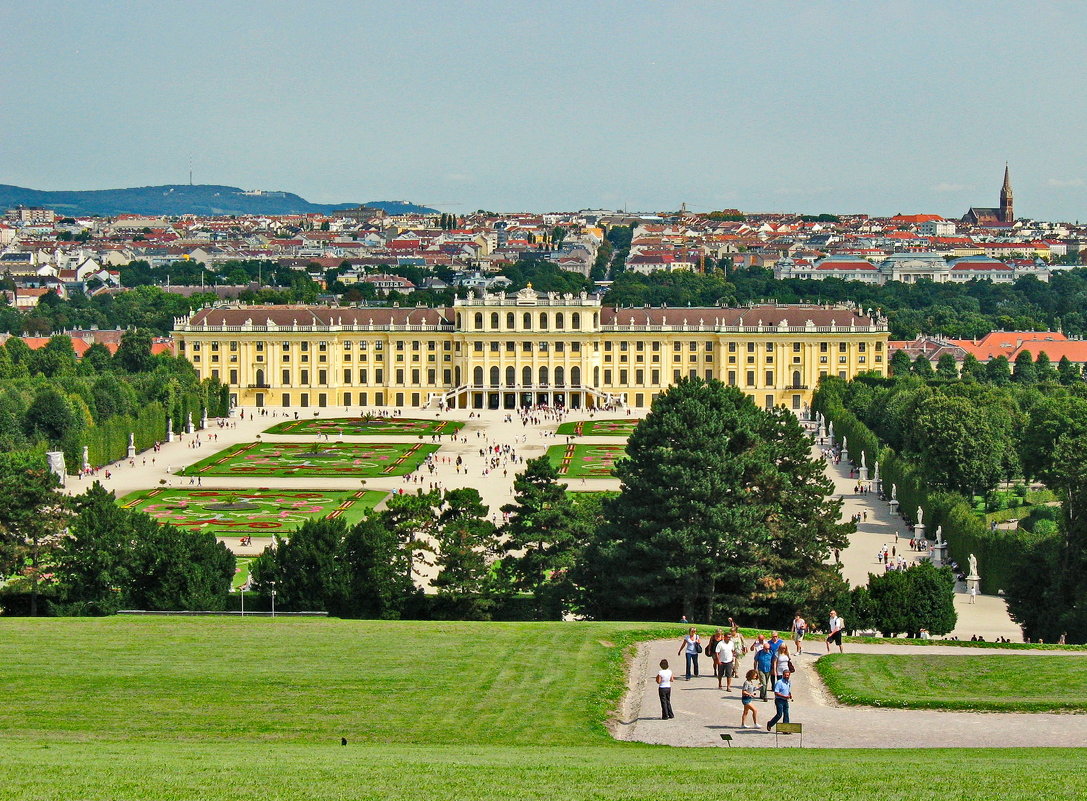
(180, 570)
(467, 541)
(51, 417)
(1067, 372)
(1043, 368)
(1025, 372)
(721, 507)
(957, 445)
(946, 367)
(380, 584)
(97, 359)
(542, 535)
(900, 363)
(998, 372)
(32, 515)
(304, 569)
(922, 366)
(906, 601)
(134, 353)
(413, 519)
(57, 358)
(973, 369)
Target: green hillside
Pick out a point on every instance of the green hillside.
(177, 199)
(215, 708)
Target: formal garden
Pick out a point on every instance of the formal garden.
(240, 513)
(366, 426)
(313, 460)
(586, 461)
(598, 428)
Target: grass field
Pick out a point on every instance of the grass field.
(363, 426)
(264, 512)
(598, 428)
(993, 683)
(227, 708)
(585, 461)
(312, 460)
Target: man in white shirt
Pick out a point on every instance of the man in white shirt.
(837, 626)
(726, 655)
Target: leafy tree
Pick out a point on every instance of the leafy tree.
(57, 358)
(1043, 368)
(413, 519)
(946, 367)
(998, 372)
(958, 446)
(973, 369)
(722, 507)
(900, 363)
(1067, 372)
(134, 353)
(32, 515)
(906, 601)
(303, 569)
(922, 366)
(51, 417)
(380, 584)
(97, 359)
(181, 570)
(1024, 372)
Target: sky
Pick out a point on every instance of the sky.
(874, 107)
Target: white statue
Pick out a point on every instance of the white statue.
(973, 565)
(132, 440)
(920, 516)
(939, 534)
(863, 465)
(894, 492)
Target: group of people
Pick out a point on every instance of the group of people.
(771, 670)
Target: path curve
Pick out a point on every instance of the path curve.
(703, 712)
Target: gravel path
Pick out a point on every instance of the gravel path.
(703, 712)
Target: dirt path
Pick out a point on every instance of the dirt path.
(703, 712)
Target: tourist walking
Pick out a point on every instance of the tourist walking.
(692, 647)
(712, 652)
(764, 660)
(782, 663)
(783, 694)
(837, 626)
(725, 656)
(664, 690)
(747, 696)
(800, 628)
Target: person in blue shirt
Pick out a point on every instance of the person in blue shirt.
(775, 642)
(764, 660)
(783, 694)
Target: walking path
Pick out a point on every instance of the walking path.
(703, 712)
(988, 617)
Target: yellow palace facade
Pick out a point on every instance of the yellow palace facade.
(499, 351)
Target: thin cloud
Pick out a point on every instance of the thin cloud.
(946, 187)
(1062, 183)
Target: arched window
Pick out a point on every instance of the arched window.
(511, 376)
(575, 376)
(509, 321)
(494, 376)
(560, 323)
(560, 376)
(260, 378)
(526, 376)
(543, 320)
(458, 320)
(494, 321)
(543, 375)
(527, 320)
(796, 378)
(477, 376)
(596, 376)
(575, 321)
(479, 321)
(596, 319)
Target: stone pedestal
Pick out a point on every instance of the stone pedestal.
(973, 584)
(863, 474)
(169, 434)
(919, 531)
(845, 455)
(939, 554)
(894, 506)
(204, 422)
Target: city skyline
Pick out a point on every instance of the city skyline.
(893, 108)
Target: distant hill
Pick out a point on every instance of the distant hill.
(176, 199)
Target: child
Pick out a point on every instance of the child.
(664, 690)
(747, 695)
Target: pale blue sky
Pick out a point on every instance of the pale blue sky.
(818, 106)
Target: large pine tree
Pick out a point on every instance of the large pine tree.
(723, 510)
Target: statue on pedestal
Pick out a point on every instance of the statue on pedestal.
(973, 565)
(894, 492)
(920, 516)
(939, 534)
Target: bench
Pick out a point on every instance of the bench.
(789, 728)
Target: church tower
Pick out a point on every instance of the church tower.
(1007, 213)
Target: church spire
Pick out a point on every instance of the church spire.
(1007, 211)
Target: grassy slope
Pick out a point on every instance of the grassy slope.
(238, 709)
(1013, 683)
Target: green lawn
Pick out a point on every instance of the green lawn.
(266, 511)
(313, 460)
(598, 428)
(585, 461)
(995, 683)
(227, 708)
(366, 426)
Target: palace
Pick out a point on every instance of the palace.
(499, 351)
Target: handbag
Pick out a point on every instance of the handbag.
(791, 668)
